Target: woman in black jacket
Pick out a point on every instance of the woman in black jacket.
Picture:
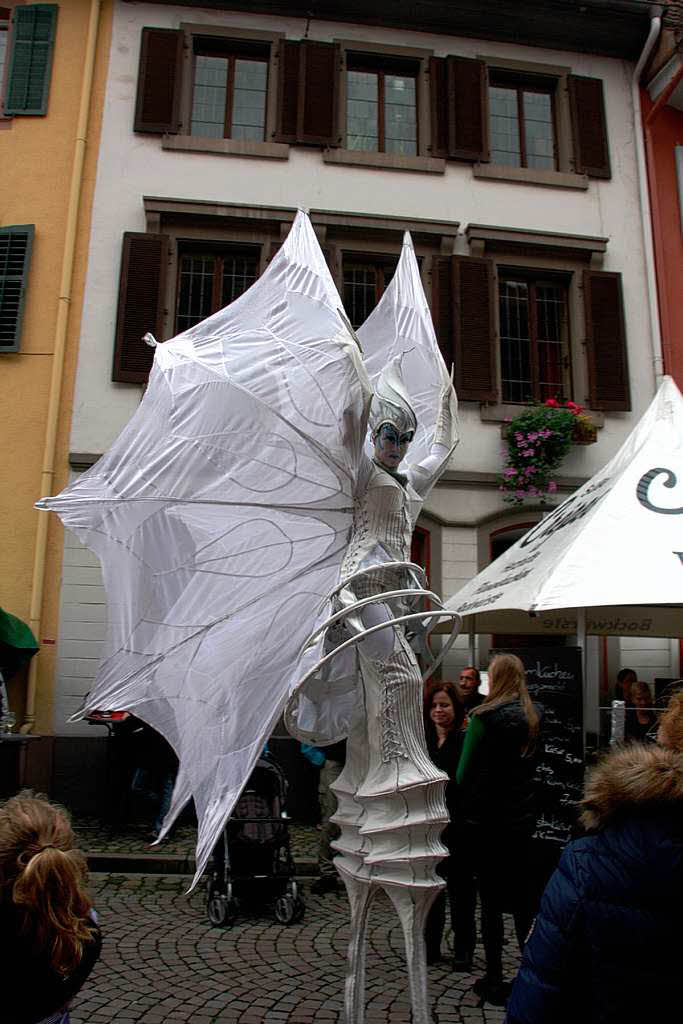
(444, 715)
(497, 811)
(606, 945)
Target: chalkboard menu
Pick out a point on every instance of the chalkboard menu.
(554, 681)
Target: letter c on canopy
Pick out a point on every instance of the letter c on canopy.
(644, 485)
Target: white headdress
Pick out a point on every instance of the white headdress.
(390, 402)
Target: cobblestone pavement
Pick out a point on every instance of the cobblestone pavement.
(163, 962)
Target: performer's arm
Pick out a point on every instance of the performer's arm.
(424, 475)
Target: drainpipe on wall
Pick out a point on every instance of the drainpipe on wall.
(59, 352)
(645, 211)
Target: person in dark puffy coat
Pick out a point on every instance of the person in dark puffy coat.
(606, 945)
(497, 812)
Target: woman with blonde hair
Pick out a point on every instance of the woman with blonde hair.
(49, 938)
(606, 945)
(498, 810)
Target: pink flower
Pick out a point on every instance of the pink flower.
(509, 472)
(528, 470)
(552, 403)
(533, 436)
(528, 453)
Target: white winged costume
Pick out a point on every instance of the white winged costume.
(240, 524)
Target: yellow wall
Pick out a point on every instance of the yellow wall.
(36, 158)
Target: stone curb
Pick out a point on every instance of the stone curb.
(163, 864)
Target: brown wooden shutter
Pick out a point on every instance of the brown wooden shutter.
(443, 309)
(308, 91)
(606, 342)
(318, 116)
(438, 92)
(144, 263)
(589, 126)
(157, 108)
(468, 130)
(288, 91)
(475, 358)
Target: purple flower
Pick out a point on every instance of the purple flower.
(528, 453)
(519, 436)
(533, 436)
(509, 472)
(528, 470)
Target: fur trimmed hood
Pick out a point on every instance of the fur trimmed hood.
(636, 778)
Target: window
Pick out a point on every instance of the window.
(549, 326)
(202, 81)
(15, 256)
(210, 280)
(364, 282)
(229, 87)
(381, 105)
(534, 351)
(29, 59)
(522, 122)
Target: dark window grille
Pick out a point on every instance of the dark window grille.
(364, 282)
(15, 255)
(229, 92)
(209, 281)
(381, 106)
(522, 123)
(534, 346)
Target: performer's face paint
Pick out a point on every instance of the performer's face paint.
(390, 446)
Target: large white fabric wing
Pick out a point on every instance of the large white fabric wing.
(220, 517)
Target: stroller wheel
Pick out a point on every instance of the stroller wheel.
(221, 910)
(286, 909)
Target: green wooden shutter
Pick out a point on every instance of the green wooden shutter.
(32, 44)
(144, 262)
(16, 244)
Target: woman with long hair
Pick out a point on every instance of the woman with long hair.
(444, 715)
(49, 939)
(497, 810)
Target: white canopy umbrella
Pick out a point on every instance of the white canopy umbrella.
(609, 559)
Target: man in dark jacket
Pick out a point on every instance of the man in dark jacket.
(605, 947)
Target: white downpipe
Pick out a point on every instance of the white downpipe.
(645, 212)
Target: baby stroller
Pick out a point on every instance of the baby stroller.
(252, 860)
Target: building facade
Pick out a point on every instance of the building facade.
(50, 112)
(507, 152)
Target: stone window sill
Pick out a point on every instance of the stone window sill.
(385, 161)
(225, 147)
(531, 176)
